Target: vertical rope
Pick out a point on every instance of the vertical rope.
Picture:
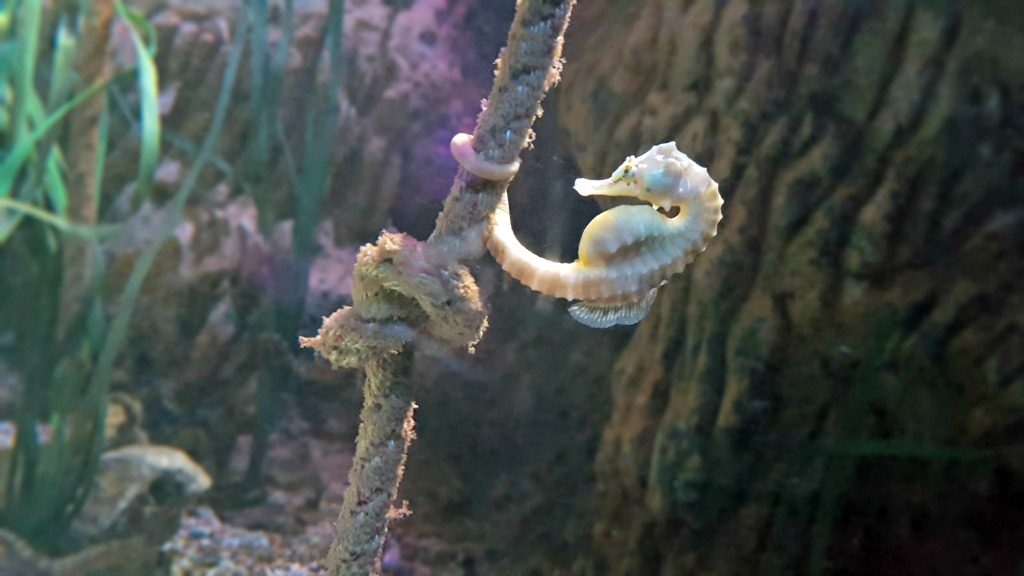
(407, 290)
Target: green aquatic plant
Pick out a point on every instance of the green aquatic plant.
(33, 170)
(133, 287)
(50, 176)
(308, 175)
(407, 291)
(44, 472)
(50, 266)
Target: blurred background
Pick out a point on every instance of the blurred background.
(835, 387)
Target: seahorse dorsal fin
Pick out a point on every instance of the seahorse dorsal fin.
(605, 315)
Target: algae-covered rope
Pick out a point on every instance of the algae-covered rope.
(410, 291)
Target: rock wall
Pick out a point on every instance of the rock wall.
(850, 349)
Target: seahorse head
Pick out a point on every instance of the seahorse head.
(663, 177)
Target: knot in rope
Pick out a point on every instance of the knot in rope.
(402, 292)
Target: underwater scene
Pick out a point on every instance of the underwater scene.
(511, 287)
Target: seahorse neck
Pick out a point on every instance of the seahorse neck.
(699, 221)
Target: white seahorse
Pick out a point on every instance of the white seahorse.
(626, 253)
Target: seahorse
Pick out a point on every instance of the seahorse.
(625, 253)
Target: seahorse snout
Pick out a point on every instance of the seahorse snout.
(607, 187)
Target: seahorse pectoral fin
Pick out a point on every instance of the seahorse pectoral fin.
(597, 314)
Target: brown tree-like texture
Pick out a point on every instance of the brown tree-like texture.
(837, 385)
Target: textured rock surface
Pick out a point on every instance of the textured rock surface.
(140, 489)
(859, 316)
(134, 508)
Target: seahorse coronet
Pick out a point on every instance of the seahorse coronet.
(625, 253)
